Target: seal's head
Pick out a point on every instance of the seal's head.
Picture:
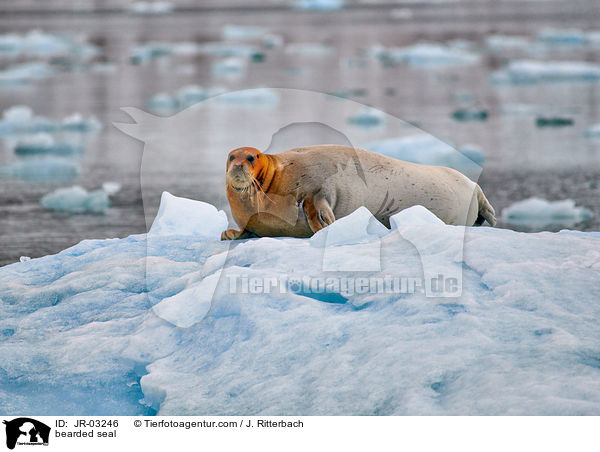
(245, 167)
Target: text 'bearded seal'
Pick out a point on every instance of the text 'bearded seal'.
(297, 192)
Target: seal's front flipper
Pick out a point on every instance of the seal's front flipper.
(232, 234)
(318, 213)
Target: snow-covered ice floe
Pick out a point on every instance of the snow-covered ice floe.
(25, 73)
(368, 117)
(242, 32)
(177, 322)
(48, 168)
(183, 98)
(593, 132)
(537, 213)
(532, 71)
(428, 150)
(77, 199)
(44, 143)
(143, 7)
(20, 119)
(425, 55)
(36, 43)
(318, 5)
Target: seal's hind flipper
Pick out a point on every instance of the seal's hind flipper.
(318, 212)
(486, 211)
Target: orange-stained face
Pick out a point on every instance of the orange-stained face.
(244, 165)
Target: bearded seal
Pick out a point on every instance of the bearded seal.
(298, 192)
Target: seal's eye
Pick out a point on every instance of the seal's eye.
(250, 158)
(231, 158)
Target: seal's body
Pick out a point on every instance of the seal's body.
(297, 192)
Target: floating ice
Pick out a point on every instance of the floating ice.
(36, 43)
(184, 97)
(499, 43)
(181, 216)
(76, 199)
(531, 71)
(123, 326)
(555, 36)
(25, 73)
(368, 117)
(256, 96)
(593, 132)
(229, 66)
(555, 121)
(470, 114)
(163, 103)
(44, 143)
(318, 5)
(537, 213)
(242, 32)
(150, 51)
(46, 168)
(425, 55)
(111, 188)
(151, 7)
(308, 49)
(428, 150)
(20, 119)
(229, 49)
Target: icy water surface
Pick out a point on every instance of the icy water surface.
(524, 158)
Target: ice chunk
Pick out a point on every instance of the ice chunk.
(151, 7)
(555, 36)
(229, 66)
(414, 216)
(256, 96)
(44, 143)
(318, 5)
(24, 259)
(36, 43)
(368, 117)
(150, 51)
(593, 131)
(242, 32)
(181, 216)
(555, 121)
(428, 150)
(163, 103)
(358, 227)
(190, 95)
(531, 71)
(47, 168)
(190, 305)
(308, 49)
(538, 213)
(76, 199)
(470, 114)
(20, 119)
(111, 188)
(272, 41)
(499, 43)
(425, 55)
(228, 49)
(25, 73)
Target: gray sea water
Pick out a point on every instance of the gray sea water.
(523, 160)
